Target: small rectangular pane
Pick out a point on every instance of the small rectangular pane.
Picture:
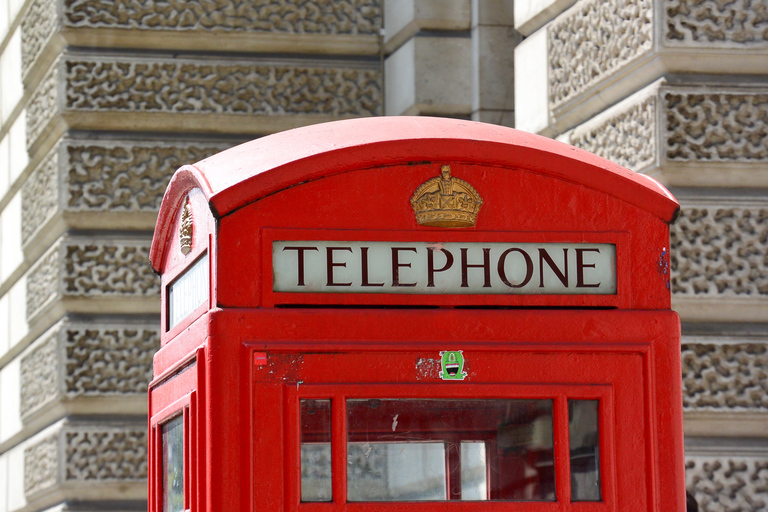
(316, 450)
(478, 449)
(585, 450)
(188, 291)
(395, 471)
(474, 474)
(172, 435)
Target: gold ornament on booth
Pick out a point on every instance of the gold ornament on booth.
(446, 202)
(185, 228)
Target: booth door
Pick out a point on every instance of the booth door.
(399, 431)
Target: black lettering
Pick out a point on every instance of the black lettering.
(431, 265)
(486, 266)
(528, 268)
(330, 264)
(300, 253)
(396, 266)
(562, 276)
(580, 266)
(364, 261)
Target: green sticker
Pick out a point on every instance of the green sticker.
(452, 365)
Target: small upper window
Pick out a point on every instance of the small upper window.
(188, 291)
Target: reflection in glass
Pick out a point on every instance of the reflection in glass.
(395, 471)
(316, 450)
(474, 478)
(172, 438)
(404, 449)
(585, 450)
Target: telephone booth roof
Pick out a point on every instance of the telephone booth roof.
(253, 170)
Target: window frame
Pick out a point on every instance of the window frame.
(558, 393)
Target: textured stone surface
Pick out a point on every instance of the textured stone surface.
(108, 359)
(86, 454)
(39, 375)
(79, 84)
(38, 25)
(180, 86)
(594, 41)
(105, 454)
(93, 359)
(43, 281)
(105, 176)
(716, 23)
(315, 17)
(40, 196)
(716, 126)
(728, 484)
(41, 465)
(628, 138)
(725, 376)
(43, 105)
(125, 175)
(85, 268)
(97, 269)
(720, 252)
(269, 16)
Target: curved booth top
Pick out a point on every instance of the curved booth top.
(246, 173)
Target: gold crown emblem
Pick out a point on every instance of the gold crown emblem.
(446, 202)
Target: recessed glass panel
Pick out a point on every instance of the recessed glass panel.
(188, 291)
(172, 438)
(474, 471)
(439, 449)
(316, 450)
(585, 450)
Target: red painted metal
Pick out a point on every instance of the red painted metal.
(237, 365)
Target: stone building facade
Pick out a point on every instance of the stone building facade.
(101, 101)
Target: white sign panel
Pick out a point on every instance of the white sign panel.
(443, 268)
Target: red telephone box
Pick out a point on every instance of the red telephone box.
(415, 314)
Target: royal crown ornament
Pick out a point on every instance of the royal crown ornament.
(446, 202)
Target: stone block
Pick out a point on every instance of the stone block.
(10, 77)
(685, 135)
(430, 76)
(348, 27)
(16, 498)
(600, 52)
(530, 15)
(222, 95)
(10, 237)
(531, 97)
(17, 312)
(10, 390)
(87, 461)
(718, 260)
(17, 139)
(91, 367)
(4, 327)
(93, 275)
(495, 12)
(5, 164)
(493, 51)
(101, 184)
(728, 476)
(406, 18)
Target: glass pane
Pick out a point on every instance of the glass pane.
(407, 449)
(172, 434)
(474, 477)
(585, 450)
(395, 471)
(316, 450)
